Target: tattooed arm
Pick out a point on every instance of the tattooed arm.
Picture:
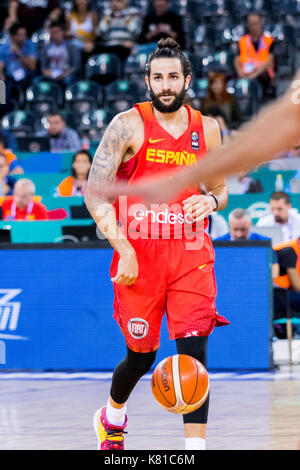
(118, 144)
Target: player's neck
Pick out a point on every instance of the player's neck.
(177, 117)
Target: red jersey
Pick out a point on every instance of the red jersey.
(34, 211)
(161, 152)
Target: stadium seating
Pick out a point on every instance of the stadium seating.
(43, 96)
(94, 123)
(248, 94)
(20, 123)
(83, 96)
(103, 68)
(121, 95)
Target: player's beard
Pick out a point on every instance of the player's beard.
(168, 108)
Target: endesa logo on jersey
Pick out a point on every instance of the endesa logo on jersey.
(163, 217)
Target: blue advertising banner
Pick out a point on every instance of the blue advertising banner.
(56, 309)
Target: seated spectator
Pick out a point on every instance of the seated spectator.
(162, 23)
(81, 27)
(62, 137)
(60, 59)
(3, 13)
(14, 166)
(243, 184)
(10, 142)
(22, 205)
(33, 15)
(218, 96)
(6, 182)
(217, 226)
(240, 227)
(75, 184)
(256, 59)
(288, 277)
(119, 28)
(17, 64)
(282, 215)
(216, 113)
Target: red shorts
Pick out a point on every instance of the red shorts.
(171, 279)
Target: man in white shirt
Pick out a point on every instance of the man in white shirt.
(282, 215)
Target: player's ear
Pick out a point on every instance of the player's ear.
(147, 82)
(188, 79)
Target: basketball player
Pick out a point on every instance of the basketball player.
(155, 266)
(274, 130)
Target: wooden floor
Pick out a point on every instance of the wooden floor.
(247, 412)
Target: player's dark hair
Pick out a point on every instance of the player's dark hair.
(276, 195)
(168, 48)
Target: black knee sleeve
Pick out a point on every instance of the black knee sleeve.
(195, 346)
(128, 372)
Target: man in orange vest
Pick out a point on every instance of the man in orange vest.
(256, 59)
(288, 254)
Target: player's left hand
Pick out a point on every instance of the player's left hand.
(199, 206)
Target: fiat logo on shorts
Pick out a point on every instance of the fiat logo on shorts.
(138, 328)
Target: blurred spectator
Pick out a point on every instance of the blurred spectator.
(75, 184)
(33, 15)
(60, 59)
(216, 113)
(162, 23)
(10, 142)
(288, 280)
(62, 137)
(283, 215)
(256, 59)
(14, 166)
(119, 29)
(17, 63)
(217, 225)
(22, 206)
(243, 184)
(240, 227)
(81, 27)
(6, 182)
(217, 95)
(3, 13)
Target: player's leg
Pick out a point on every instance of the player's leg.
(195, 423)
(110, 421)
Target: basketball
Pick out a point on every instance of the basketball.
(180, 384)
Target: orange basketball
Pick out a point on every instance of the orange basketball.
(180, 384)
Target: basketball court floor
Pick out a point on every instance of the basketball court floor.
(54, 411)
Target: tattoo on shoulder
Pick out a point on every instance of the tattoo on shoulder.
(109, 153)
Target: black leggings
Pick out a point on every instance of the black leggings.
(129, 371)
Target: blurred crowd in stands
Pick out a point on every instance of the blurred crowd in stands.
(70, 66)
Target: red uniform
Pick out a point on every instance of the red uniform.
(175, 255)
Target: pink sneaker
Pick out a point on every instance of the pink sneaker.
(109, 437)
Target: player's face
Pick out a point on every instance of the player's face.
(167, 84)
(280, 210)
(239, 229)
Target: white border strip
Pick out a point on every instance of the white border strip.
(236, 376)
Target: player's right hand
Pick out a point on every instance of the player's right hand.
(128, 269)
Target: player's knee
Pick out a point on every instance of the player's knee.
(141, 362)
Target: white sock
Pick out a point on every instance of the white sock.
(195, 443)
(115, 416)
